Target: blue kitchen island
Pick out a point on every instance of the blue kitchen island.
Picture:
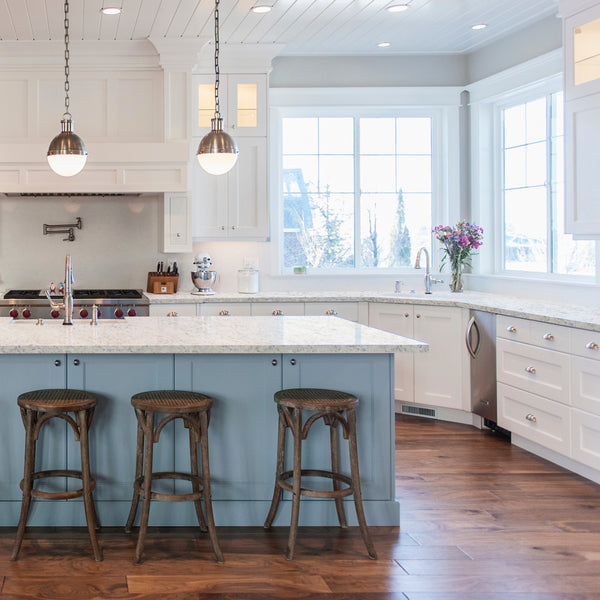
(241, 362)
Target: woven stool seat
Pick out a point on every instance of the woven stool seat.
(337, 409)
(171, 401)
(76, 408)
(193, 409)
(57, 400)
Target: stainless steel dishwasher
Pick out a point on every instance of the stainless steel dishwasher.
(481, 343)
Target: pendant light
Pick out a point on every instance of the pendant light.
(217, 152)
(67, 153)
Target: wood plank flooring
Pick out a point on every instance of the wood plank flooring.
(480, 520)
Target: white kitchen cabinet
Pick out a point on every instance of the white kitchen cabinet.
(225, 309)
(581, 35)
(438, 377)
(585, 438)
(234, 205)
(182, 310)
(288, 309)
(344, 310)
(176, 223)
(242, 103)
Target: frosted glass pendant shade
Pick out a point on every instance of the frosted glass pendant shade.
(217, 152)
(67, 154)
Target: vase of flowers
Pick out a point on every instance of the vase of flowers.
(458, 244)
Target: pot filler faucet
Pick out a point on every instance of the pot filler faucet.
(428, 278)
(67, 302)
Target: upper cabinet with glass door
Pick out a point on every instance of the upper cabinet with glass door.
(242, 104)
(582, 52)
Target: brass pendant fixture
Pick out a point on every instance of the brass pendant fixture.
(217, 152)
(67, 154)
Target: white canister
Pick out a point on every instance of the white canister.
(247, 281)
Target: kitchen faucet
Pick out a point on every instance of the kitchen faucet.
(67, 302)
(428, 278)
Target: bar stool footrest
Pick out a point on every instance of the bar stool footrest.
(163, 497)
(70, 495)
(342, 493)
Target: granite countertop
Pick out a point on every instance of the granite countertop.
(570, 315)
(201, 335)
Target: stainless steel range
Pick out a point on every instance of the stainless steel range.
(112, 304)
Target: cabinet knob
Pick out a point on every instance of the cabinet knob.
(332, 312)
(222, 228)
(511, 329)
(277, 313)
(223, 313)
(234, 227)
(57, 363)
(292, 361)
(548, 336)
(178, 235)
(172, 314)
(530, 369)
(407, 315)
(76, 362)
(531, 417)
(418, 316)
(274, 362)
(591, 346)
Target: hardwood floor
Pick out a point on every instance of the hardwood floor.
(481, 520)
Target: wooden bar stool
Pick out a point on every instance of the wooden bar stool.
(194, 409)
(336, 408)
(38, 407)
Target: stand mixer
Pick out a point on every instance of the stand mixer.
(203, 278)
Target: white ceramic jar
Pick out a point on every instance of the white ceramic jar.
(248, 281)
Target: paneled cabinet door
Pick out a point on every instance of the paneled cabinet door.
(19, 374)
(177, 226)
(441, 374)
(113, 431)
(397, 319)
(234, 205)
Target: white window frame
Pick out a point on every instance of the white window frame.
(440, 104)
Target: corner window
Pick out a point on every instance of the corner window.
(533, 192)
(357, 191)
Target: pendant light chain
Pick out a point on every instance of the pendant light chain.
(67, 56)
(217, 112)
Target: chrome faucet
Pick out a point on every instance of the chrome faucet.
(428, 278)
(67, 302)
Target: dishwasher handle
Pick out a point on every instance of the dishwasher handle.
(473, 325)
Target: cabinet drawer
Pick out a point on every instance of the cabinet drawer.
(263, 309)
(585, 438)
(163, 310)
(533, 369)
(585, 343)
(513, 328)
(538, 333)
(345, 310)
(585, 384)
(225, 309)
(540, 420)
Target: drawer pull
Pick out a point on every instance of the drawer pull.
(530, 369)
(223, 313)
(418, 316)
(511, 329)
(591, 346)
(548, 336)
(531, 417)
(407, 315)
(331, 312)
(277, 313)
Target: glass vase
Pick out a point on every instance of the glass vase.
(456, 281)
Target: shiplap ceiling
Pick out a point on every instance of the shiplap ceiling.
(306, 27)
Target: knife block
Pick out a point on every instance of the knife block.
(162, 283)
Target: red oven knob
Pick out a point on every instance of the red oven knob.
(118, 313)
(83, 313)
(55, 314)
(14, 313)
(98, 313)
(131, 312)
(26, 313)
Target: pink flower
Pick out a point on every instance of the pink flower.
(464, 241)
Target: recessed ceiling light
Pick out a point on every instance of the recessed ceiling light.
(479, 26)
(111, 10)
(261, 8)
(384, 44)
(395, 8)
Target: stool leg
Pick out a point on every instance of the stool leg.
(212, 531)
(90, 512)
(194, 472)
(360, 513)
(148, 427)
(335, 467)
(297, 432)
(139, 455)
(27, 483)
(277, 492)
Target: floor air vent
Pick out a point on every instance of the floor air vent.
(417, 410)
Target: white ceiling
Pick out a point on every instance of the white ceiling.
(306, 27)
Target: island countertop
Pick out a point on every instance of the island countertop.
(202, 335)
